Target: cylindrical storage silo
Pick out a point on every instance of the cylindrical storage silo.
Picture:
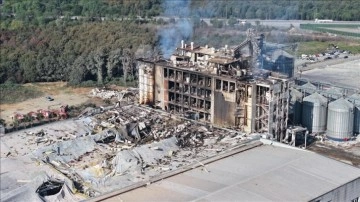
(314, 110)
(357, 120)
(332, 94)
(340, 120)
(355, 99)
(308, 89)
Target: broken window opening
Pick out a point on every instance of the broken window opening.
(171, 74)
(186, 100)
(171, 85)
(207, 93)
(201, 115)
(177, 87)
(207, 105)
(199, 92)
(172, 96)
(218, 84)
(193, 90)
(193, 78)
(186, 89)
(178, 98)
(208, 117)
(179, 76)
(187, 77)
(201, 81)
(208, 82)
(225, 86)
(232, 87)
(201, 104)
(193, 102)
(165, 72)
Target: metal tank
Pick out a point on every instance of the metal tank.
(314, 110)
(357, 120)
(355, 99)
(307, 89)
(332, 93)
(340, 120)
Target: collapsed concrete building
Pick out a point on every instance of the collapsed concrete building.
(239, 87)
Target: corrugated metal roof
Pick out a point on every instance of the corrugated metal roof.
(265, 173)
(341, 104)
(334, 91)
(355, 98)
(315, 98)
(308, 86)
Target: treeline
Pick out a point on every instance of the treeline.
(35, 45)
(43, 11)
(347, 10)
(97, 51)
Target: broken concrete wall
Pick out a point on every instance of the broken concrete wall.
(146, 83)
(159, 87)
(224, 108)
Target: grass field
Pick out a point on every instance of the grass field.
(12, 93)
(313, 47)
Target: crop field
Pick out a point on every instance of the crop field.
(352, 30)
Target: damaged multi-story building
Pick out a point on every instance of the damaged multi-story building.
(244, 86)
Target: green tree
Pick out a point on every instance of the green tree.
(250, 14)
(232, 21)
(78, 71)
(217, 23)
(260, 13)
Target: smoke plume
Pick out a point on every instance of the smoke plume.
(182, 29)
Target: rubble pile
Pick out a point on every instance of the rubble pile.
(129, 93)
(123, 145)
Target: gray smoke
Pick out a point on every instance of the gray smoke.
(182, 29)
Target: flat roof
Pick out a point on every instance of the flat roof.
(345, 73)
(263, 173)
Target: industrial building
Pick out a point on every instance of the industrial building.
(243, 87)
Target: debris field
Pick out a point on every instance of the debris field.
(111, 148)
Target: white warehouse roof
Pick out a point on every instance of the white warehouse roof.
(263, 173)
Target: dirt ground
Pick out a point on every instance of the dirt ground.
(348, 154)
(62, 95)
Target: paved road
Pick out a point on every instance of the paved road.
(274, 23)
(342, 72)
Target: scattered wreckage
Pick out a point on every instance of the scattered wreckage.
(129, 93)
(114, 147)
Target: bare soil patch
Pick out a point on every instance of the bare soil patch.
(59, 91)
(349, 155)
